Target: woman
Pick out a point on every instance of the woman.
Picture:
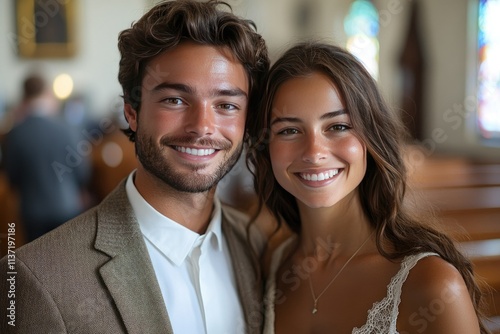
(328, 161)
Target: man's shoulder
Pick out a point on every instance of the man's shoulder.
(234, 215)
(245, 226)
(79, 234)
(74, 236)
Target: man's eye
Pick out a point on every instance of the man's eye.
(228, 106)
(173, 100)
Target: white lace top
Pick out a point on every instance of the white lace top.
(381, 317)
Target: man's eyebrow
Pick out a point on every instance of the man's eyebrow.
(230, 92)
(174, 86)
(328, 115)
(190, 90)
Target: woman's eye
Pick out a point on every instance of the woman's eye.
(339, 127)
(288, 132)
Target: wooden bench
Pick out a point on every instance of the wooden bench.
(465, 195)
(444, 172)
(9, 208)
(469, 212)
(485, 255)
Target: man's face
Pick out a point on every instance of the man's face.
(190, 128)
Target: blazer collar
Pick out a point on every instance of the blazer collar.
(129, 274)
(245, 269)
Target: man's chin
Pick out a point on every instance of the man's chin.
(190, 182)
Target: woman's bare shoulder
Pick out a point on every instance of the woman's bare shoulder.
(435, 299)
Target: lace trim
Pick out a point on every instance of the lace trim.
(381, 317)
(383, 314)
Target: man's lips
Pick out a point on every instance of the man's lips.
(199, 147)
(195, 151)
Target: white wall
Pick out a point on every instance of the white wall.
(449, 31)
(95, 66)
(444, 31)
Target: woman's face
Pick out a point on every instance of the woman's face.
(315, 154)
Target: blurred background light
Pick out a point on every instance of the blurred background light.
(63, 86)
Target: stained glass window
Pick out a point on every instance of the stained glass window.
(361, 26)
(488, 90)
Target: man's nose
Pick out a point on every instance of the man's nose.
(201, 120)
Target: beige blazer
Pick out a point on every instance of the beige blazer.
(94, 275)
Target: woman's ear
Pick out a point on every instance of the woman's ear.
(131, 116)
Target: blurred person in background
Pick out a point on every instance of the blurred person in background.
(42, 162)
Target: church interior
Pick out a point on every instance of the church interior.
(436, 63)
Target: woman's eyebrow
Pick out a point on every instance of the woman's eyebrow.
(285, 119)
(333, 114)
(328, 115)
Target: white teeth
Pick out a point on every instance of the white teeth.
(194, 151)
(321, 176)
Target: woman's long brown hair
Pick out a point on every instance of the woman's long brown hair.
(383, 189)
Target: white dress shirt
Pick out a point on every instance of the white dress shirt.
(194, 271)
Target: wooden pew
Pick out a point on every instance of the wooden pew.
(465, 195)
(9, 214)
(469, 212)
(485, 255)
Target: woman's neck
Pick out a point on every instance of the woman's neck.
(335, 230)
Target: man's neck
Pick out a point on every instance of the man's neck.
(192, 210)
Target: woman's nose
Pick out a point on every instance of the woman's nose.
(315, 149)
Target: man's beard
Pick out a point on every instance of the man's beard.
(151, 157)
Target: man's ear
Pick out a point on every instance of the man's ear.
(131, 116)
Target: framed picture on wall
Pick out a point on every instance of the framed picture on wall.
(46, 29)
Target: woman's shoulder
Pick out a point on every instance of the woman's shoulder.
(435, 298)
(432, 276)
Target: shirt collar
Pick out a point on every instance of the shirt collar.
(172, 239)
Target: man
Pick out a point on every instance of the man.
(33, 148)
(159, 254)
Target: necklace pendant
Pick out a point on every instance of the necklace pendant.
(315, 310)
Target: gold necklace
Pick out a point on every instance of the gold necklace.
(315, 307)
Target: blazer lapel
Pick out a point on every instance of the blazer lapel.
(247, 279)
(129, 274)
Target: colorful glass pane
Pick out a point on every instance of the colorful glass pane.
(361, 26)
(488, 114)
